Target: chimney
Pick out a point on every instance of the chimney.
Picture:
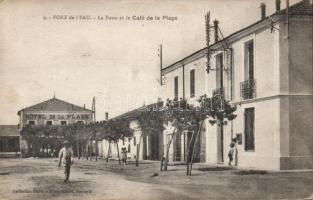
(263, 10)
(215, 30)
(278, 2)
(84, 107)
(106, 116)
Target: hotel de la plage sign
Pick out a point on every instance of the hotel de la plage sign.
(57, 116)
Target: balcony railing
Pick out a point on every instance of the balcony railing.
(218, 91)
(248, 89)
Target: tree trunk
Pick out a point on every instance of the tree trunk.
(138, 151)
(80, 150)
(118, 154)
(107, 160)
(77, 148)
(96, 150)
(87, 150)
(91, 149)
(168, 149)
(188, 152)
(162, 158)
(193, 149)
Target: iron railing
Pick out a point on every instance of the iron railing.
(248, 89)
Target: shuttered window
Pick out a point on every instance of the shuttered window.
(192, 83)
(176, 87)
(249, 60)
(249, 129)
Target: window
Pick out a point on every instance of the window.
(31, 122)
(249, 60)
(249, 129)
(128, 148)
(48, 122)
(176, 87)
(80, 122)
(192, 83)
(63, 123)
(123, 141)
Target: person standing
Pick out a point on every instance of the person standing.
(66, 157)
(124, 156)
(231, 153)
(45, 152)
(49, 151)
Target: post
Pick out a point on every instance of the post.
(162, 158)
(263, 11)
(215, 30)
(118, 153)
(97, 150)
(208, 35)
(161, 65)
(77, 148)
(278, 2)
(137, 156)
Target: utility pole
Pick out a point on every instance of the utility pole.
(93, 109)
(160, 55)
(208, 29)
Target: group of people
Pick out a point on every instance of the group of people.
(47, 152)
(66, 156)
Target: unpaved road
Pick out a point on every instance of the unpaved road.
(30, 179)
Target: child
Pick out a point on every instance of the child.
(231, 153)
(124, 156)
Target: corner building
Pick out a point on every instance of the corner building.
(265, 69)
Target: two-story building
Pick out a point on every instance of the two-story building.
(264, 69)
(52, 112)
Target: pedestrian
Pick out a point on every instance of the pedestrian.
(231, 153)
(41, 152)
(124, 156)
(49, 151)
(46, 152)
(66, 157)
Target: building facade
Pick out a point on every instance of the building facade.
(51, 112)
(145, 147)
(264, 69)
(54, 112)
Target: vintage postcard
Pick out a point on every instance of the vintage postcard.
(153, 100)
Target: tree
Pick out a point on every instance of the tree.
(180, 115)
(216, 108)
(150, 121)
(118, 129)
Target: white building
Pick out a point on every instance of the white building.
(149, 147)
(266, 70)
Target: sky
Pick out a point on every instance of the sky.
(113, 55)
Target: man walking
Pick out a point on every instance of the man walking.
(66, 157)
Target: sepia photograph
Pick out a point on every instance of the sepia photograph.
(156, 100)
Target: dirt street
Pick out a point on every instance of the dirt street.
(30, 179)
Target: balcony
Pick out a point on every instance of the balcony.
(218, 91)
(248, 89)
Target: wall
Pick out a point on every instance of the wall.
(267, 103)
(297, 82)
(266, 154)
